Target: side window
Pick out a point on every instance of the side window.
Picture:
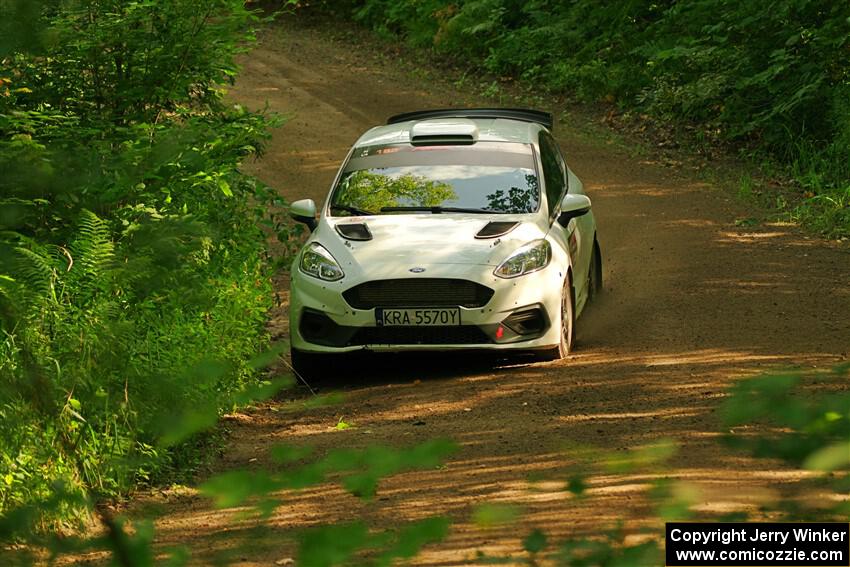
(553, 172)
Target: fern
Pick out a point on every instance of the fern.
(27, 279)
(34, 272)
(8, 298)
(92, 259)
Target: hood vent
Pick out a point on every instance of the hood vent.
(354, 231)
(444, 132)
(496, 228)
(443, 140)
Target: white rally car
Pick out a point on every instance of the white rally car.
(445, 230)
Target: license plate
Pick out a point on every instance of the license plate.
(417, 317)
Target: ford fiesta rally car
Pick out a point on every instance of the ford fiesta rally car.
(446, 230)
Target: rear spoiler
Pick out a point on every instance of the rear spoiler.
(523, 114)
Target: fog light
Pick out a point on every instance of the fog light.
(317, 327)
(526, 322)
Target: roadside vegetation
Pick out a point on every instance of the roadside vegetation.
(134, 277)
(769, 80)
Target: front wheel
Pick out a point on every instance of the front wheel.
(568, 325)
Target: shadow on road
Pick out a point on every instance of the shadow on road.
(367, 368)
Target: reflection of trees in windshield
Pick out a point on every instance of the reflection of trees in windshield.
(372, 191)
(485, 188)
(515, 199)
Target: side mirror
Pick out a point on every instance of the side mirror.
(572, 206)
(304, 210)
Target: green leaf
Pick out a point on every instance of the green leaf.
(491, 515)
(641, 457)
(234, 488)
(225, 187)
(362, 485)
(577, 485)
(410, 539)
(262, 391)
(323, 400)
(182, 426)
(332, 545)
(830, 458)
(288, 453)
(269, 357)
(535, 542)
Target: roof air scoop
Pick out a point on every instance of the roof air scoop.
(496, 228)
(354, 231)
(442, 132)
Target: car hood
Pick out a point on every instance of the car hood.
(408, 241)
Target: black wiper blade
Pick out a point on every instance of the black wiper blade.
(350, 209)
(437, 210)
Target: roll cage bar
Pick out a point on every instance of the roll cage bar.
(523, 114)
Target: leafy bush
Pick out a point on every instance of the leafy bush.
(131, 248)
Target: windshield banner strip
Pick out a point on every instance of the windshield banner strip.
(406, 159)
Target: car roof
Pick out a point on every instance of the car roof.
(488, 130)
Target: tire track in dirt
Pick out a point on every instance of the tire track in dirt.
(692, 302)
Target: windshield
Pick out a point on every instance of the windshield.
(487, 177)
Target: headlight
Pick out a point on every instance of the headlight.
(316, 261)
(530, 258)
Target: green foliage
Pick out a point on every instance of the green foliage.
(337, 544)
(764, 75)
(811, 431)
(359, 471)
(134, 281)
(771, 416)
(363, 468)
(495, 514)
(535, 542)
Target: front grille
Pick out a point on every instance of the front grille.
(462, 334)
(418, 292)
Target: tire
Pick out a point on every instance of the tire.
(594, 274)
(568, 325)
(310, 367)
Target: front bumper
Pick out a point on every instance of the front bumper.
(522, 314)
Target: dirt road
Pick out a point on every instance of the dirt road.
(692, 302)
